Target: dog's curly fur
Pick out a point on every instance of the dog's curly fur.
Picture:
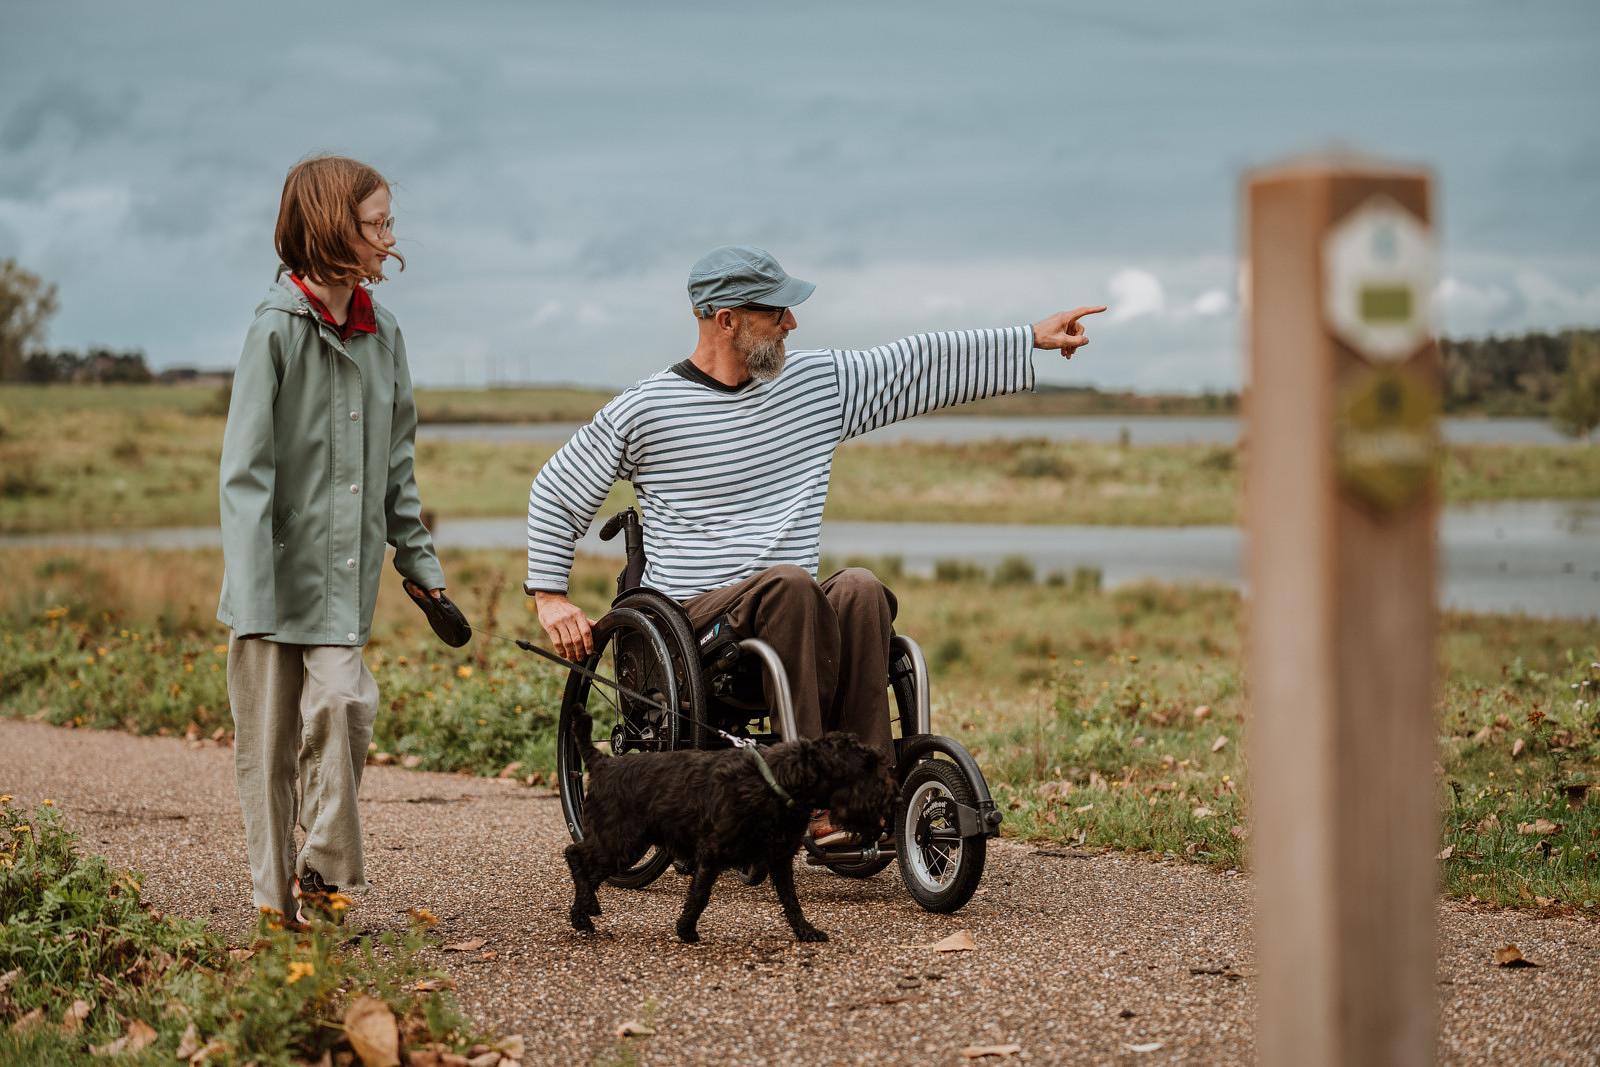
(713, 810)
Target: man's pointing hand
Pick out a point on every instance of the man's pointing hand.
(1063, 330)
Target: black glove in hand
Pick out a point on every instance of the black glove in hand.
(443, 615)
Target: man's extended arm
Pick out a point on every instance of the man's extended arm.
(926, 372)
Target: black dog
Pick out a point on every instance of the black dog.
(715, 810)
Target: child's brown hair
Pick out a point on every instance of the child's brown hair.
(317, 224)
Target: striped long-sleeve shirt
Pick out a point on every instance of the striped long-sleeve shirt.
(732, 480)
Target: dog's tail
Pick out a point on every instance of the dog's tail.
(583, 738)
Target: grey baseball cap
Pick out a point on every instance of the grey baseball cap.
(734, 275)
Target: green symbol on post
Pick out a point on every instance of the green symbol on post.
(1388, 438)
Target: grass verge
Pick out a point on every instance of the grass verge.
(1102, 718)
(87, 970)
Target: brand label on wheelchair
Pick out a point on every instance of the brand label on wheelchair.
(710, 635)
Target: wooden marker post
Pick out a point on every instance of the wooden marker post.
(1341, 507)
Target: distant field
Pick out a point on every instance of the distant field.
(76, 458)
(559, 403)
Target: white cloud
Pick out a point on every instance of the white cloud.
(1211, 302)
(1135, 293)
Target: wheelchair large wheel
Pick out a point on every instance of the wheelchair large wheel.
(631, 648)
(940, 868)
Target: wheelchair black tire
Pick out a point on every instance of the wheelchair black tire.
(569, 768)
(923, 867)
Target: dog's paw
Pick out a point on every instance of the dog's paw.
(688, 935)
(593, 908)
(810, 933)
(580, 921)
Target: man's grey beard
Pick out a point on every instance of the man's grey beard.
(764, 361)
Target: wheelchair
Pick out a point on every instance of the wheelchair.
(729, 689)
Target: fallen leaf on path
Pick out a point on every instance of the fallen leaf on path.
(1538, 826)
(513, 1046)
(510, 770)
(978, 1052)
(1511, 956)
(488, 955)
(1516, 747)
(466, 946)
(635, 1029)
(1202, 812)
(381, 759)
(960, 941)
(1220, 743)
(8, 978)
(1446, 852)
(372, 1031)
(1202, 713)
(1148, 1046)
(898, 998)
(1489, 824)
(433, 985)
(411, 762)
(29, 1021)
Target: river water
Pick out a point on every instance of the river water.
(1539, 557)
(1140, 430)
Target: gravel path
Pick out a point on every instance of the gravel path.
(1079, 958)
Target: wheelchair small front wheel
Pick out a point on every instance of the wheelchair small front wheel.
(940, 868)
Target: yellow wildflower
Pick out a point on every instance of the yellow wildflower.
(424, 916)
(22, 829)
(56, 613)
(6, 798)
(299, 970)
(102, 651)
(338, 901)
(463, 671)
(221, 650)
(49, 803)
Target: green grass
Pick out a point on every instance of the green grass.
(77, 458)
(84, 963)
(1081, 704)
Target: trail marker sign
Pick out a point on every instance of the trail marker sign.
(1378, 269)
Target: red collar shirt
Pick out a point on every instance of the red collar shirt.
(361, 318)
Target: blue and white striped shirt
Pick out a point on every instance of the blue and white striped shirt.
(732, 480)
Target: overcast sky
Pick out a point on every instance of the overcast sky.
(930, 164)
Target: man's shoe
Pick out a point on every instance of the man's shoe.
(823, 834)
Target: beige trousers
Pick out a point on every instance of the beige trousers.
(302, 719)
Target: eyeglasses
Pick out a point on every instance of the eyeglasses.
(385, 225)
(778, 313)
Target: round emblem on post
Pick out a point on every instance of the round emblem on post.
(1378, 273)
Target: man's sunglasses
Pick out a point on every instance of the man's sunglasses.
(778, 313)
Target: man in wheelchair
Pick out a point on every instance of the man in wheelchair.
(730, 452)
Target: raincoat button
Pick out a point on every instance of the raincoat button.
(350, 563)
(349, 637)
(355, 416)
(355, 488)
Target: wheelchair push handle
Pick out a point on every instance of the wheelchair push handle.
(627, 522)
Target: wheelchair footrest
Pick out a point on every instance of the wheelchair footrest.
(817, 856)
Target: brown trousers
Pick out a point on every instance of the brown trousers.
(832, 636)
